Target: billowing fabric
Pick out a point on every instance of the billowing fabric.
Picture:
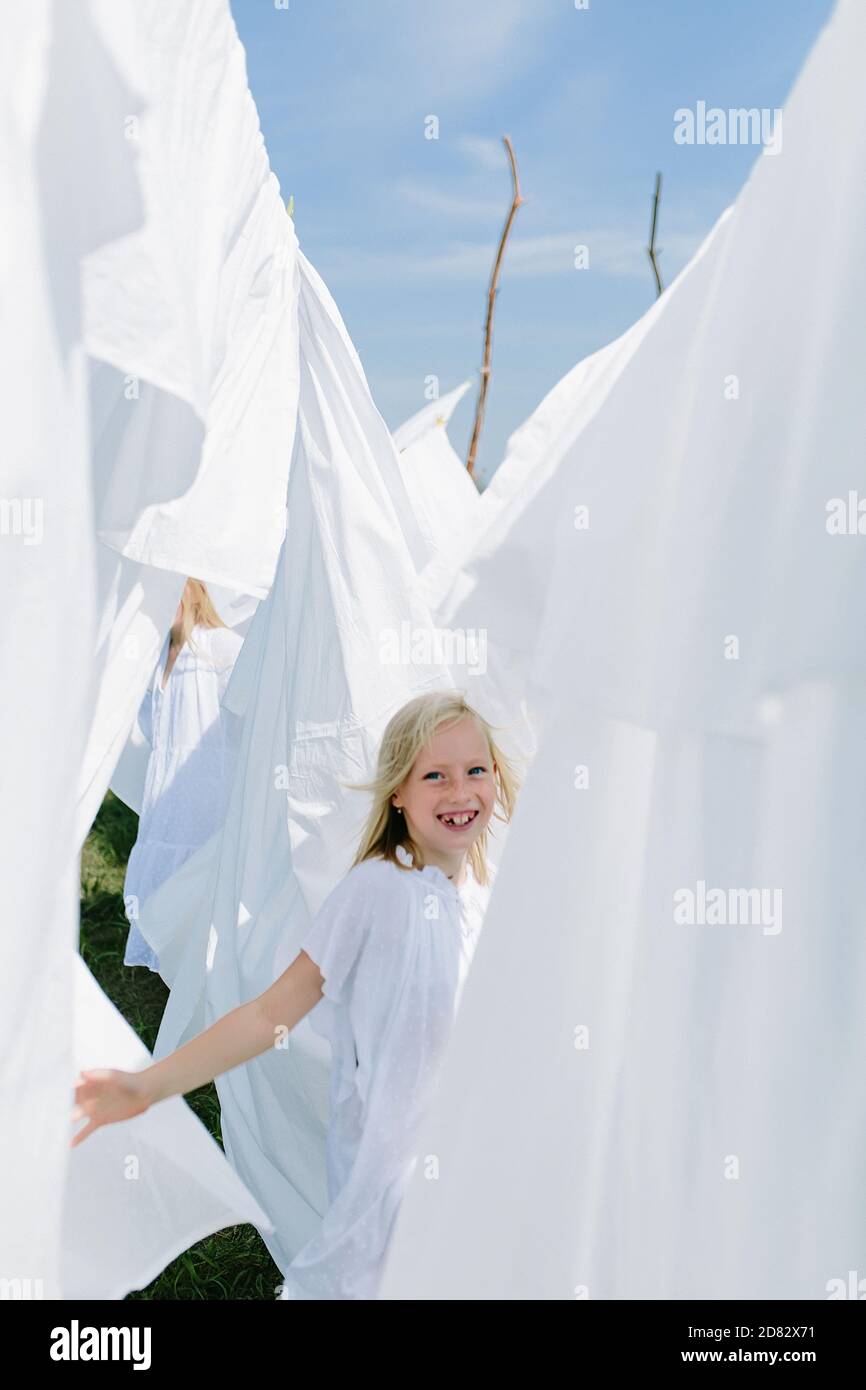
(193, 742)
(196, 312)
(58, 1237)
(394, 946)
(317, 681)
(46, 553)
(139, 1193)
(531, 456)
(441, 491)
(430, 420)
(135, 608)
(679, 909)
(190, 326)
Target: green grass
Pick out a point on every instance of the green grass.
(234, 1263)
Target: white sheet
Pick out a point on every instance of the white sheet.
(190, 324)
(139, 1193)
(704, 1137)
(316, 694)
(70, 188)
(45, 550)
(442, 493)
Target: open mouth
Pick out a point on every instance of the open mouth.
(457, 820)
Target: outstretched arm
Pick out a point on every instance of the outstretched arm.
(105, 1097)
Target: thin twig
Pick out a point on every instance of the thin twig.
(651, 249)
(491, 296)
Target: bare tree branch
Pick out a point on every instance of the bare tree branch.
(491, 296)
(651, 249)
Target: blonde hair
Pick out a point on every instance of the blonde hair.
(197, 610)
(408, 732)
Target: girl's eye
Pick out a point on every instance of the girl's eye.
(428, 775)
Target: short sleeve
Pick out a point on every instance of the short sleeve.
(340, 929)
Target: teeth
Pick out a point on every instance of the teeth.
(461, 818)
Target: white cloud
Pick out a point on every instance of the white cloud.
(457, 206)
(468, 50)
(482, 151)
(393, 56)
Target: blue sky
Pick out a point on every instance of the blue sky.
(403, 229)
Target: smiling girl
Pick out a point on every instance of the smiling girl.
(382, 967)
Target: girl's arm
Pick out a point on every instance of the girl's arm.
(105, 1097)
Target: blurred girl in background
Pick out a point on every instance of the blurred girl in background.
(193, 742)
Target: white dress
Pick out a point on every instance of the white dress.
(394, 946)
(193, 742)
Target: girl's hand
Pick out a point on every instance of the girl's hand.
(105, 1097)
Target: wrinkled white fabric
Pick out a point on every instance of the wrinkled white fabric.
(139, 1193)
(190, 325)
(65, 97)
(46, 552)
(531, 457)
(190, 320)
(316, 691)
(688, 1080)
(394, 946)
(441, 491)
(193, 742)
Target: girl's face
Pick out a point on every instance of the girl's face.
(449, 795)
